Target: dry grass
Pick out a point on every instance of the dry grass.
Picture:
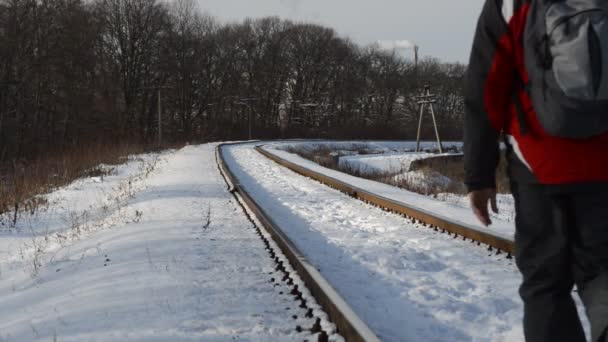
(320, 154)
(327, 157)
(22, 182)
(441, 175)
(453, 168)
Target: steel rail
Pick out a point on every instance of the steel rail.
(348, 324)
(427, 218)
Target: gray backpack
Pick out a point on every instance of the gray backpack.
(566, 57)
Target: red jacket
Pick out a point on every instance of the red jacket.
(490, 84)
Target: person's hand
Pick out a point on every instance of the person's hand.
(479, 203)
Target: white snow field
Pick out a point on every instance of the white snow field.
(367, 145)
(395, 158)
(393, 163)
(160, 251)
(454, 208)
(407, 282)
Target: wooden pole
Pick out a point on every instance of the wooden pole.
(427, 99)
(419, 126)
(436, 128)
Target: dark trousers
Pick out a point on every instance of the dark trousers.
(561, 240)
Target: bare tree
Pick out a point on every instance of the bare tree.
(75, 72)
(130, 42)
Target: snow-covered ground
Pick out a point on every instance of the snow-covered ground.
(386, 163)
(407, 282)
(393, 159)
(505, 203)
(159, 251)
(370, 147)
(454, 207)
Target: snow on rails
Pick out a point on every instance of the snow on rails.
(290, 260)
(404, 282)
(427, 218)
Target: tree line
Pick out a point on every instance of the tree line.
(76, 72)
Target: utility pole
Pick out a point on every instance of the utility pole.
(160, 126)
(159, 133)
(247, 102)
(427, 100)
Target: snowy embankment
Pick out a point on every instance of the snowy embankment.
(392, 163)
(453, 207)
(370, 147)
(407, 282)
(393, 159)
(159, 251)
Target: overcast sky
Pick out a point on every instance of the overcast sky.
(442, 28)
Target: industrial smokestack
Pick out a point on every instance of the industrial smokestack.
(394, 45)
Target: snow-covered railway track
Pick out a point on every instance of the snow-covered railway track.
(348, 324)
(418, 215)
(405, 281)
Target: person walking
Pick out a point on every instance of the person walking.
(538, 77)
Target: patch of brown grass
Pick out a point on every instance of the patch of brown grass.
(326, 156)
(442, 174)
(321, 155)
(21, 182)
(452, 167)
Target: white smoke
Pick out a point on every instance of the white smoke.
(293, 5)
(391, 45)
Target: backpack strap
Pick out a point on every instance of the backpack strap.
(519, 84)
(519, 108)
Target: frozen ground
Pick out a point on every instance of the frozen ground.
(407, 282)
(160, 251)
(453, 207)
(386, 163)
(506, 206)
(394, 158)
(157, 252)
(370, 147)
